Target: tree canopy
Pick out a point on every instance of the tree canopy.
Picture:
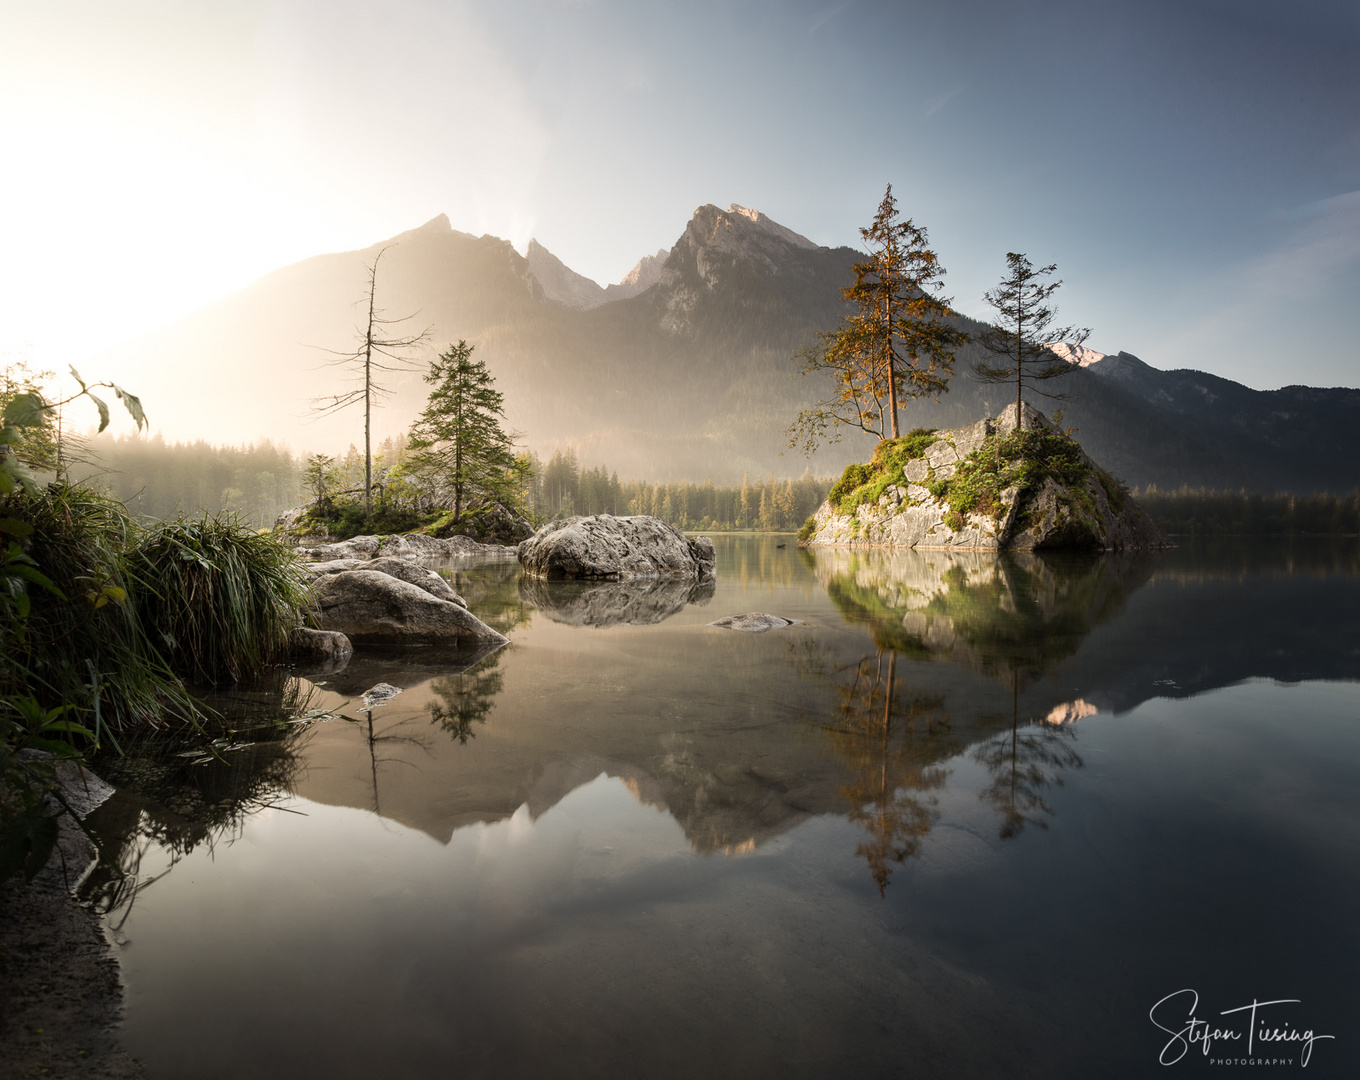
(458, 444)
(896, 343)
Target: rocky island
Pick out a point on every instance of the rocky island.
(986, 486)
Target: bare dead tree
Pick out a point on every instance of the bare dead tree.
(377, 350)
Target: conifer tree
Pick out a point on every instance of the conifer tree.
(1021, 340)
(458, 441)
(897, 342)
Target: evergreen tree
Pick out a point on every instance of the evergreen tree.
(895, 344)
(1022, 340)
(458, 441)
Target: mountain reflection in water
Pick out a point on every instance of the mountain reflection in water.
(648, 829)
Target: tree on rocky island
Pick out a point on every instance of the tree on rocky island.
(897, 342)
(458, 446)
(1022, 341)
(377, 350)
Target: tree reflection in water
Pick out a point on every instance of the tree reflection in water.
(466, 698)
(1023, 762)
(892, 749)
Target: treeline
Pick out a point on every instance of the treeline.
(1201, 512)
(159, 481)
(562, 487)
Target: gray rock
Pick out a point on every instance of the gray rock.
(375, 608)
(917, 470)
(327, 647)
(334, 566)
(400, 568)
(941, 453)
(420, 546)
(420, 576)
(616, 547)
(1051, 517)
(752, 622)
(379, 694)
(356, 547)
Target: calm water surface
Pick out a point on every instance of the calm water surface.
(969, 817)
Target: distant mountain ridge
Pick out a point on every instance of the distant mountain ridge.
(681, 371)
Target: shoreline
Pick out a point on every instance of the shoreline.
(61, 987)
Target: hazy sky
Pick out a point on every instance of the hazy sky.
(1192, 166)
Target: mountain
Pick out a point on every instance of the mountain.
(681, 371)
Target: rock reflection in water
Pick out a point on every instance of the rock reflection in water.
(1005, 616)
(1011, 618)
(637, 602)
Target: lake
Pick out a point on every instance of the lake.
(969, 817)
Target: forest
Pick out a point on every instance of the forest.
(158, 481)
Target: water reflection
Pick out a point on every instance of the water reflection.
(914, 668)
(638, 602)
(465, 698)
(892, 750)
(1009, 616)
(170, 802)
(1025, 762)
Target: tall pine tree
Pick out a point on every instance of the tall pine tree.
(896, 343)
(458, 443)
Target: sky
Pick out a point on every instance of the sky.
(1191, 166)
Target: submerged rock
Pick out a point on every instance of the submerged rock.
(379, 694)
(752, 622)
(370, 607)
(913, 511)
(616, 547)
(327, 647)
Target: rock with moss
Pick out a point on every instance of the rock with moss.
(986, 486)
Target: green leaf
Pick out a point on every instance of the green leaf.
(15, 527)
(77, 377)
(36, 576)
(103, 411)
(134, 406)
(68, 726)
(25, 410)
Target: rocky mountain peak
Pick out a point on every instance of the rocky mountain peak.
(560, 283)
(642, 277)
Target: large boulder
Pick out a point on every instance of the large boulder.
(914, 508)
(616, 547)
(403, 569)
(375, 608)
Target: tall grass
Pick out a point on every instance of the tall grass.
(218, 600)
(84, 645)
